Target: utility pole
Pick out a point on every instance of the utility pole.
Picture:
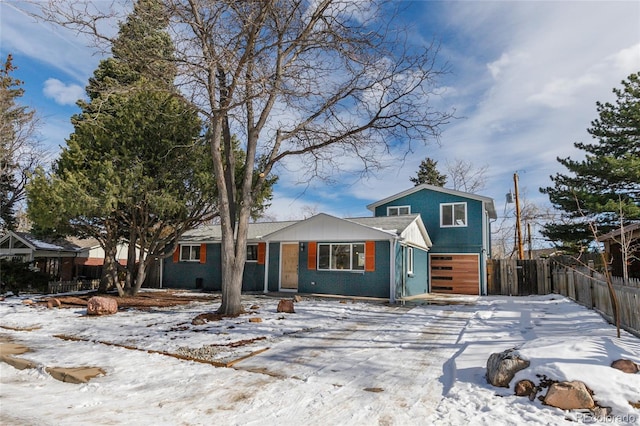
(518, 225)
(529, 241)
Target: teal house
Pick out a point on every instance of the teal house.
(416, 242)
(459, 225)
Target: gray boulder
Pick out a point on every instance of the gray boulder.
(501, 367)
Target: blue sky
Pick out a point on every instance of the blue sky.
(524, 80)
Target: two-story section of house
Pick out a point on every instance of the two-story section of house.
(459, 225)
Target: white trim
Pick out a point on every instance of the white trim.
(392, 270)
(180, 259)
(410, 263)
(408, 207)
(266, 268)
(488, 201)
(453, 218)
(247, 260)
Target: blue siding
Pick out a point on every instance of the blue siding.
(466, 239)
(368, 284)
(183, 275)
(274, 266)
(418, 282)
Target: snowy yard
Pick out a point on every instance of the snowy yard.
(330, 363)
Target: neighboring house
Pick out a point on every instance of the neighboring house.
(381, 257)
(613, 248)
(459, 225)
(63, 259)
(421, 240)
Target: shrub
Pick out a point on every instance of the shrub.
(18, 276)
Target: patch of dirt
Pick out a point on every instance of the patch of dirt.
(143, 300)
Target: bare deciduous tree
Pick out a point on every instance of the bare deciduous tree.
(464, 176)
(20, 151)
(310, 82)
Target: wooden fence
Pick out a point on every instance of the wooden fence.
(593, 293)
(69, 286)
(543, 276)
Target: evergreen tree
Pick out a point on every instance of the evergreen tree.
(428, 173)
(606, 184)
(135, 168)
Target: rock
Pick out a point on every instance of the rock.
(74, 375)
(255, 319)
(501, 367)
(53, 303)
(525, 388)
(27, 302)
(100, 305)
(625, 365)
(297, 298)
(286, 306)
(19, 363)
(569, 396)
(254, 307)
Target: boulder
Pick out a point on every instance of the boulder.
(76, 375)
(297, 298)
(255, 319)
(626, 365)
(501, 367)
(286, 306)
(569, 396)
(53, 303)
(100, 305)
(525, 388)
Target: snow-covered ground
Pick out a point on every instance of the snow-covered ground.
(330, 363)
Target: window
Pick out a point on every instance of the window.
(252, 252)
(453, 214)
(410, 260)
(334, 257)
(190, 253)
(398, 210)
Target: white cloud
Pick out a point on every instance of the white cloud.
(61, 93)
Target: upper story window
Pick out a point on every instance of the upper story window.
(252, 252)
(190, 253)
(398, 210)
(453, 215)
(349, 257)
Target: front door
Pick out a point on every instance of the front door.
(289, 267)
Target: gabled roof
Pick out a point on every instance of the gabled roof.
(41, 244)
(325, 227)
(630, 229)
(401, 225)
(487, 201)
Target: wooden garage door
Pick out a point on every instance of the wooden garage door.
(455, 273)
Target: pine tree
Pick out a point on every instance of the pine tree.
(428, 173)
(135, 168)
(606, 184)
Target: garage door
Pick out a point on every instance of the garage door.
(455, 273)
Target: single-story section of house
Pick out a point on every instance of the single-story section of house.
(383, 257)
(63, 259)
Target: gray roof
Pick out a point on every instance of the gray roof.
(214, 232)
(396, 224)
(487, 201)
